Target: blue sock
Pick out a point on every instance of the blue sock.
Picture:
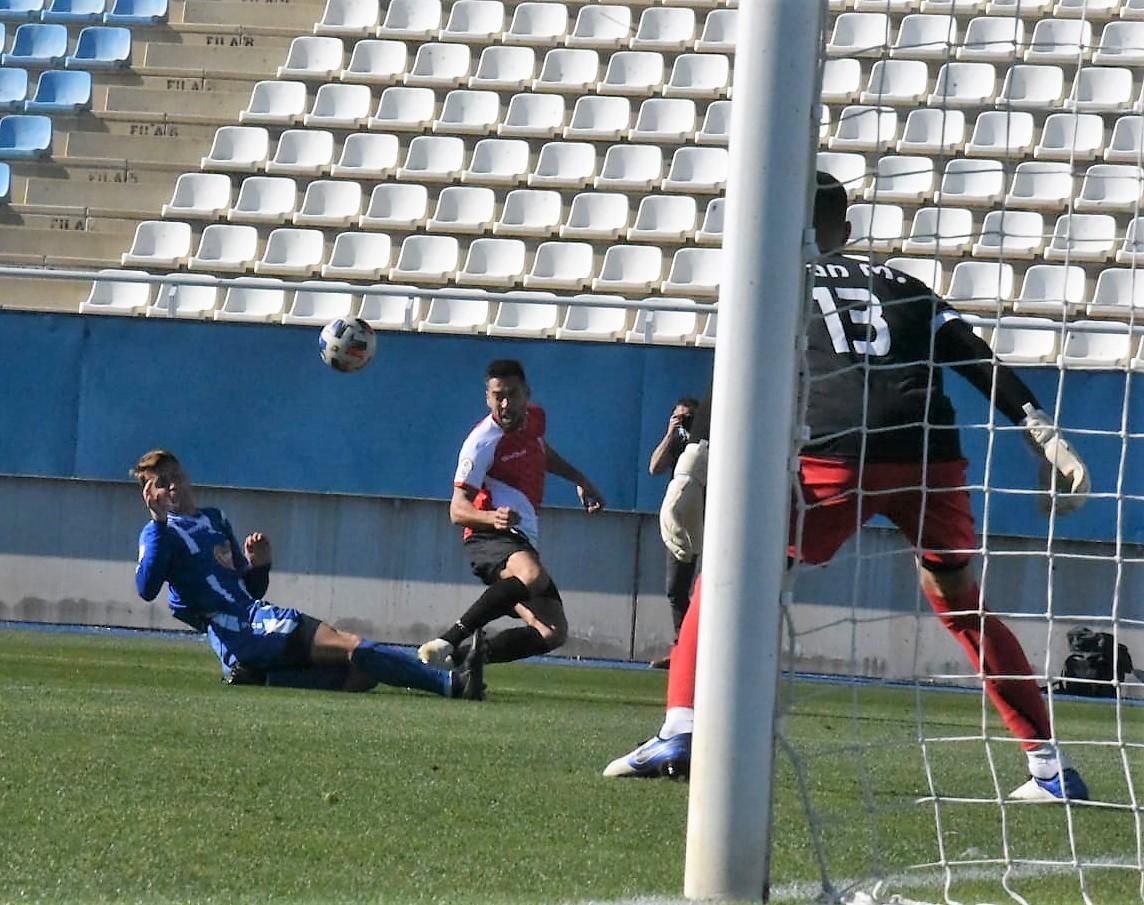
(394, 666)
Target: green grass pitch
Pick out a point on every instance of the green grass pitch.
(128, 773)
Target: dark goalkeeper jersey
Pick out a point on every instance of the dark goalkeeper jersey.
(874, 389)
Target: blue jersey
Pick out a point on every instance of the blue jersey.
(212, 587)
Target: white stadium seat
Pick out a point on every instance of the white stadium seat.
(503, 68)
(963, 84)
(597, 118)
(264, 199)
(1010, 234)
(1121, 44)
(560, 265)
(841, 80)
(875, 227)
(665, 28)
(224, 246)
(1040, 185)
(976, 183)
(523, 315)
(1025, 340)
(253, 299)
(403, 109)
(315, 307)
(238, 149)
(474, 21)
(564, 164)
(426, 259)
(926, 37)
(664, 120)
(601, 25)
(980, 285)
(932, 131)
(720, 30)
(468, 112)
(159, 243)
(306, 152)
(493, 262)
(629, 269)
(634, 73)
(199, 196)
(339, 106)
(716, 128)
(533, 116)
(292, 252)
(901, 82)
(1131, 251)
(411, 20)
(630, 168)
(859, 34)
(1086, 9)
(1126, 144)
(706, 337)
(672, 328)
(1070, 136)
(1091, 345)
(711, 232)
(395, 205)
(849, 169)
(930, 271)
(276, 103)
(699, 75)
(573, 70)
(433, 158)
(904, 179)
(940, 231)
(587, 321)
(440, 65)
(185, 299)
(455, 315)
(399, 308)
(359, 256)
(537, 24)
(695, 273)
(1106, 187)
(664, 218)
(1001, 133)
(1060, 41)
(530, 212)
(993, 39)
(1051, 289)
(498, 161)
(463, 209)
(312, 57)
(697, 171)
(864, 128)
(1101, 89)
(596, 215)
(1119, 293)
(111, 296)
(1032, 87)
(367, 156)
(372, 62)
(351, 18)
(330, 202)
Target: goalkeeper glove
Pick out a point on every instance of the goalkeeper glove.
(1072, 476)
(681, 515)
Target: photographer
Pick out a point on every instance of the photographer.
(680, 575)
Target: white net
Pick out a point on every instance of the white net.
(992, 150)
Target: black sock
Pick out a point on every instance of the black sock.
(498, 600)
(516, 644)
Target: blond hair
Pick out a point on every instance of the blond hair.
(152, 460)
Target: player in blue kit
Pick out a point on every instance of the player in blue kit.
(216, 586)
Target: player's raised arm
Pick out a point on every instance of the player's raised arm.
(590, 496)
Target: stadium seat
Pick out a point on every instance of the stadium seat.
(226, 247)
(697, 171)
(1101, 89)
(264, 199)
(505, 68)
(101, 47)
(568, 70)
(312, 57)
(1132, 9)
(862, 128)
(720, 29)
(1131, 251)
(1040, 185)
(1051, 289)
(37, 44)
(468, 112)
(932, 131)
(963, 84)
(711, 232)
(304, 152)
(366, 156)
(1060, 41)
(376, 63)
(1025, 340)
(560, 265)
(348, 18)
(630, 168)
(292, 252)
(635, 73)
(905, 179)
(252, 299)
(433, 158)
(993, 39)
(1086, 9)
(1010, 234)
(111, 296)
(330, 202)
(585, 320)
(523, 315)
(74, 12)
(694, 272)
(1070, 136)
(440, 66)
(1028, 9)
(953, 6)
(977, 183)
(474, 21)
(339, 106)
(841, 80)
(5, 182)
(314, 306)
(672, 328)
(860, 35)
(530, 212)
(1109, 187)
(242, 149)
(1119, 293)
(25, 137)
(1121, 44)
(1001, 133)
(849, 169)
(537, 24)
(359, 256)
(395, 205)
(411, 20)
(930, 271)
(199, 196)
(493, 262)
(402, 109)
(596, 215)
(1032, 87)
(191, 300)
(159, 243)
(498, 161)
(664, 218)
(629, 269)
(980, 286)
(463, 209)
(602, 26)
(716, 128)
(13, 89)
(901, 82)
(1092, 345)
(925, 37)
(892, 6)
(665, 28)
(1126, 145)
(130, 13)
(699, 75)
(456, 315)
(875, 227)
(20, 10)
(597, 118)
(277, 103)
(940, 231)
(399, 308)
(664, 120)
(426, 259)
(533, 116)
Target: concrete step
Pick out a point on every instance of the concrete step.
(222, 106)
(122, 228)
(138, 150)
(214, 54)
(298, 16)
(32, 294)
(100, 191)
(63, 247)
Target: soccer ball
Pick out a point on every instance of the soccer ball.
(347, 344)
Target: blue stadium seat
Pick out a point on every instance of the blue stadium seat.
(23, 137)
(61, 91)
(101, 47)
(37, 44)
(5, 183)
(13, 89)
(74, 11)
(136, 12)
(20, 10)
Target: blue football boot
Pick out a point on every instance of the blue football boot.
(656, 757)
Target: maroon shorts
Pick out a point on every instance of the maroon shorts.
(929, 505)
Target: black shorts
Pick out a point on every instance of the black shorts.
(488, 551)
(296, 654)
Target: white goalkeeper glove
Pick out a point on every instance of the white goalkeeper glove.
(681, 515)
(1073, 484)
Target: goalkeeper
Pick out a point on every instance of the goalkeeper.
(883, 441)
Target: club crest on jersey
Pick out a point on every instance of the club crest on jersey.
(464, 469)
(223, 556)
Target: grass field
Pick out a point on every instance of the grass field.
(129, 774)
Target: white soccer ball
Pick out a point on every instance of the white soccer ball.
(347, 344)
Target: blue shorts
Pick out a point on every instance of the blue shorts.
(270, 637)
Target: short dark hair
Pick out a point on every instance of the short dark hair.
(829, 202)
(154, 460)
(505, 367)
(690, 401)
